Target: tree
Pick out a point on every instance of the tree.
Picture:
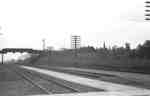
(127, 46)
(143, 51)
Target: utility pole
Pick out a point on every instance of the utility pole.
(2, 58)
(104, 45)
(75, 43)
(147, 11)
(2, 54)
(43, 41)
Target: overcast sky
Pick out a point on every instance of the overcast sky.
(24, 23)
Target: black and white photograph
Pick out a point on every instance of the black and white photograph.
(74, 47)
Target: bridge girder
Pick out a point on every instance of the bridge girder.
(20, 50)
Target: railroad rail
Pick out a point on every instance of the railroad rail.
(45, 91)
(29, 76)
(99, 75)
(53, 81)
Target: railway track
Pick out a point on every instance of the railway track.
(46, 85)
(99, 76)
(41, 76)
(102, 76)
(45, 91)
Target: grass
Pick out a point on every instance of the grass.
(92, 60)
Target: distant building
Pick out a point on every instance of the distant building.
(49, 48)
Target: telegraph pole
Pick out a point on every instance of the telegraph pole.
(147, 11)
(2, 54)
(2, 58)
(43, 41)
(75, 43)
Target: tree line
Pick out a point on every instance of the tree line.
(141, 51)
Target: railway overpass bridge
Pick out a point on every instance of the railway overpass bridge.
(18, 50)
